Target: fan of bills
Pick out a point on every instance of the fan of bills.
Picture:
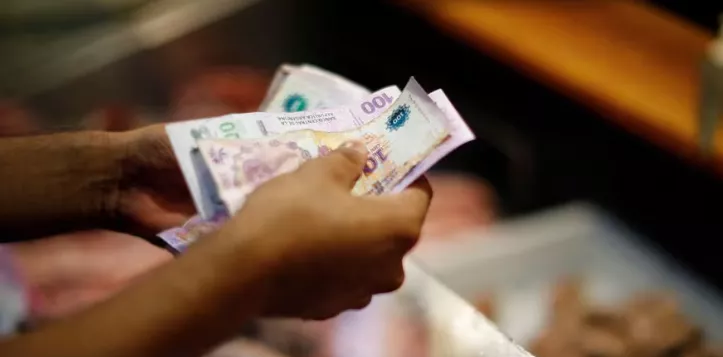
(307, 113)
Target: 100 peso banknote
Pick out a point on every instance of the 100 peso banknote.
(186, 135)
(306, 88)
(397, 140)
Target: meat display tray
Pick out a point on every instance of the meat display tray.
(520, 261)
(423, 319)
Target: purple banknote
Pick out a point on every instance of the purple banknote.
(180, 238)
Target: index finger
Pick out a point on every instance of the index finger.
(419, 194)
(342, 166)
(404, 212)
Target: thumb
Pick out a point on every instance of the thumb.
(343, 165)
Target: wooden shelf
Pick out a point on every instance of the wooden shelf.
(633, 63)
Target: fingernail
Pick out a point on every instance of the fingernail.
(355, 145)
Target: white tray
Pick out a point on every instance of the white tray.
(422, 319)
(520, 261)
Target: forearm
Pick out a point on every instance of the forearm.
(182, 309)
(60, 182)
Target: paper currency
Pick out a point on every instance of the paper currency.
(275, 144)
(459, 134)
(305, 87)
(181, 237)
(185, 135)
(398, 140)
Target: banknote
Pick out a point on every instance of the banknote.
(184, 135)
(309, 87)
(180, 238)
(459, 134)
(459, 131)
(279, 77)
(258, 125)
(397, 140)
(306, 87)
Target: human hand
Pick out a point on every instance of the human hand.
(68, 272)
(152, 195)
(331, 251)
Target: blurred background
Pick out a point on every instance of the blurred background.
(597, 171)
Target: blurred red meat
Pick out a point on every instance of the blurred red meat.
(242, 348)
(218, 92)
(16, 120)
(113, 117)
(460, 203)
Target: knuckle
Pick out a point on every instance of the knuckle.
(362, 302)
(340, 172)
(408, 236)
(407, 243)
(412, 229)
(393, 283)
(350, 156)
(337, 167)
(326, 311)
(323, 315)
(344, 161)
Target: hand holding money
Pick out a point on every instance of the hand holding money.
(329, 250)
(302, 246)
(152, 194)
(224, 159)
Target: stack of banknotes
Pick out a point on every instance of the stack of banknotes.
(307, 113)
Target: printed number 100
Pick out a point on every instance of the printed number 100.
(378, 102)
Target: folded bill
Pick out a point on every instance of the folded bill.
(459, 134)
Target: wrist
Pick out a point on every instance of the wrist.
(105, 161)
(245, 264)
(59, 182)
